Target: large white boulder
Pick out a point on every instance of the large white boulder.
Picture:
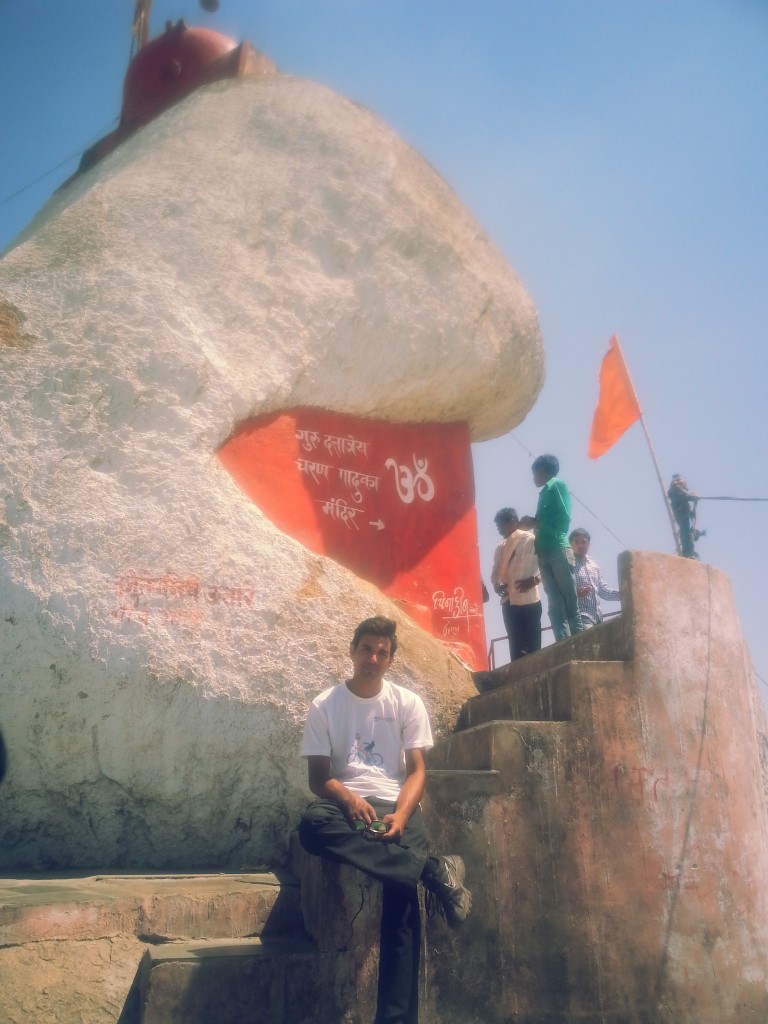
(263, 245)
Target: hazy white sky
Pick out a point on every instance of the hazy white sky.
(616, 151)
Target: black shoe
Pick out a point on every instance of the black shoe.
(446, 885)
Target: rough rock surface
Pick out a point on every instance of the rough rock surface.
(84, 982)
(263, 245)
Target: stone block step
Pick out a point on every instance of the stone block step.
(497, 750)
(264, 981)
(611, 641)
(553, 695)
(462, 783)
(152, 908)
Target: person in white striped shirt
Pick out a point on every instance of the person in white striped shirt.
(590, 582)
(515, 578)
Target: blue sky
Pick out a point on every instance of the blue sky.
(617, 154)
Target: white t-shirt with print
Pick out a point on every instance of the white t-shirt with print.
(366, 737)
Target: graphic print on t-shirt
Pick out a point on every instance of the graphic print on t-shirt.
(363, 753)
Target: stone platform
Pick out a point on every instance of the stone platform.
(616, 839)
(182, 948)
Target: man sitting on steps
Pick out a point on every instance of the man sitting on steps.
(354, 792)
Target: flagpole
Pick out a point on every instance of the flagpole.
(667, 505)
(672, 523)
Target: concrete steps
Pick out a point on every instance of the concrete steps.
(489, 751)
(521, 792)
(231, 981)
(152, 908)
(191, 949)
(159, 949)
(494, 752)
(473, 783)
(613, 640)
(552, 695)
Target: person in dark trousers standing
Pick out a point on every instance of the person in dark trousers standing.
(364, 741)
(515, 578)
(556, 561)
(683, 505)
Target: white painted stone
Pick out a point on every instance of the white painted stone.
(263, 245)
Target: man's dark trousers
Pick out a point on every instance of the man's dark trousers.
(325, 832)
(523, 625)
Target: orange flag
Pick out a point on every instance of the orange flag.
(617, 407)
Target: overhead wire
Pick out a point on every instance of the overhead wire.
(56, 167)
(724, 497)
(576, 498)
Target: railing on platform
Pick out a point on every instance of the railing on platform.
(544, 629)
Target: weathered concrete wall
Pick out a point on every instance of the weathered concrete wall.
(263, 245)
(619, 857)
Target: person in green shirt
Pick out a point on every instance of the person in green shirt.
(556, 561)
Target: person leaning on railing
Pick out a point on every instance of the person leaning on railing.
(590, 582)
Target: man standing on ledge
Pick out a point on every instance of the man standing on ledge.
(590, 582)
(556, 561)
(364, 741)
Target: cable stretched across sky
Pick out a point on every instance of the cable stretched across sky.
(725, 497)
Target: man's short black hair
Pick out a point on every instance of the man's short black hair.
(579, 532)
(549, 463)
(506, 515)
(377, 626)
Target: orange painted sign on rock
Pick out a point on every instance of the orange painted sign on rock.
(393, 502)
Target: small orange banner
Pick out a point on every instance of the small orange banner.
(617, 406)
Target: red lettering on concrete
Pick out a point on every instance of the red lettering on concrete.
(638, 782)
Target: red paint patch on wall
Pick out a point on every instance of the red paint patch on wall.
(393, 502)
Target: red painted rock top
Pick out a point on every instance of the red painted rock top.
(392, 502)
(169, 68)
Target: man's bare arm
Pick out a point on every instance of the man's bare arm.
(410, 795)
(327, 788)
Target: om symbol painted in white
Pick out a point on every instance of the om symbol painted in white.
(409, 484)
